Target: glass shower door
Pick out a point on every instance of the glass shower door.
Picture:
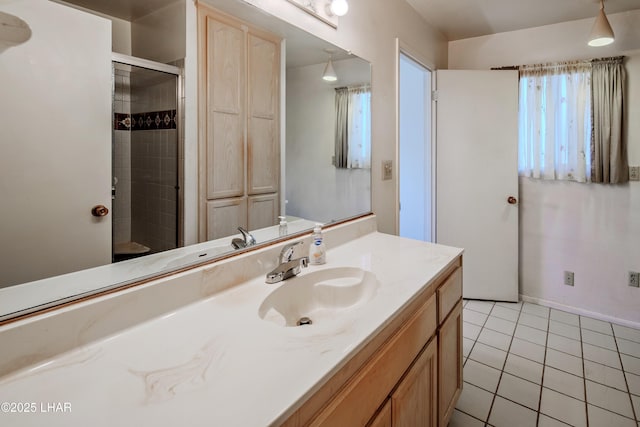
(145, 161)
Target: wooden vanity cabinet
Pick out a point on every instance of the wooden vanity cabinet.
(410, 375)
(450, 345)
(415, 399)
(450, 364)
(383, 417)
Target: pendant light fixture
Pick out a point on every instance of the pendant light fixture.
(338, 7)
(601, 33)
(329, 74)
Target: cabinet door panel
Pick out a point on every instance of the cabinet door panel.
(263, 136)
(225, 216)
(450, 364)
(263, 211)
(225, 113)
(383, 417)
(414, 402)
(225, 62)
(264, 156)
(225, 156)
(263, 65)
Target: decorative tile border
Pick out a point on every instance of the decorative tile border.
(145, 121)
(121, 121)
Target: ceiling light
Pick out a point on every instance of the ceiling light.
(601, 33)
(338, 7)
(329, 74)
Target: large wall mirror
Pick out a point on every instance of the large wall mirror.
(39, 253)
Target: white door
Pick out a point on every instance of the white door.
(55, 128)
(477, 177)
(415, 149)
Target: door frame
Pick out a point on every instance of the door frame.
(413, 54)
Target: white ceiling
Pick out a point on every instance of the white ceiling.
(459, 19)
(456, 19)
(302, 47)
(129, 10)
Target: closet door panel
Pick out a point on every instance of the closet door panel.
(264, 66)
(225, 110)
(225, 156)
(264, 156)
(263, 138)
(225, 216)
(263, 211)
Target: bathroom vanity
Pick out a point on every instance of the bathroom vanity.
(212, 345)
(409, 374)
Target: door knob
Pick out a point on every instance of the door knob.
(512, 200)
(99, 210)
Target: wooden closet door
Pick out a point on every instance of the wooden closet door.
(263, 138)
(224, 216)
(225, 115)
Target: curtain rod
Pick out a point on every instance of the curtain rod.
(357, 86)
(552, 64)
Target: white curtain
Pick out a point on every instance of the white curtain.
(555, 121)
(353, 127)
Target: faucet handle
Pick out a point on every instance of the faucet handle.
(249, 240)
(287, 251)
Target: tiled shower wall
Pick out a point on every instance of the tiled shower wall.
(145, 159)
(154, 164)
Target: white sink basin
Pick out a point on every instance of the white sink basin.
(318, 296)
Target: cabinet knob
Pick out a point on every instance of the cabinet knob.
(99, 211)
(512, 200)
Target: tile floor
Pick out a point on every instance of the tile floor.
(528, 365)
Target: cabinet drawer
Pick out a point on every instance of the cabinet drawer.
(366, 391)
(449, 294)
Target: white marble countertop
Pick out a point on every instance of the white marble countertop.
(215, 362)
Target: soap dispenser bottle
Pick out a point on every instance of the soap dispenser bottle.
(317, 250)
(282, 228)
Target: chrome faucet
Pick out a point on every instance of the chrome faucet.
(246, 241)
(287, 267)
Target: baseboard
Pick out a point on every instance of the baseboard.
(580, 311)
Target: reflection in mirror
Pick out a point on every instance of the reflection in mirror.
(84, 148)
(311, 153)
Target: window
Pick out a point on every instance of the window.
(571, 121)
(555, 122)
(353, 127)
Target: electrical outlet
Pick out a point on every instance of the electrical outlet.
(634, 279)
(387, 170)
(634, 173)
(568, 278)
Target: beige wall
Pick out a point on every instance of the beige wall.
(160, 35)
(590, 229)
(120, 29)
(311, 118)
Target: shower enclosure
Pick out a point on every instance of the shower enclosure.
(145, 187)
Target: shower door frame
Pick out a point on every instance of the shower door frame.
(179, 73)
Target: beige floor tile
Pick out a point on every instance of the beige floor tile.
(504, 412)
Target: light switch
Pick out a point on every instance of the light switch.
(387, 170)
